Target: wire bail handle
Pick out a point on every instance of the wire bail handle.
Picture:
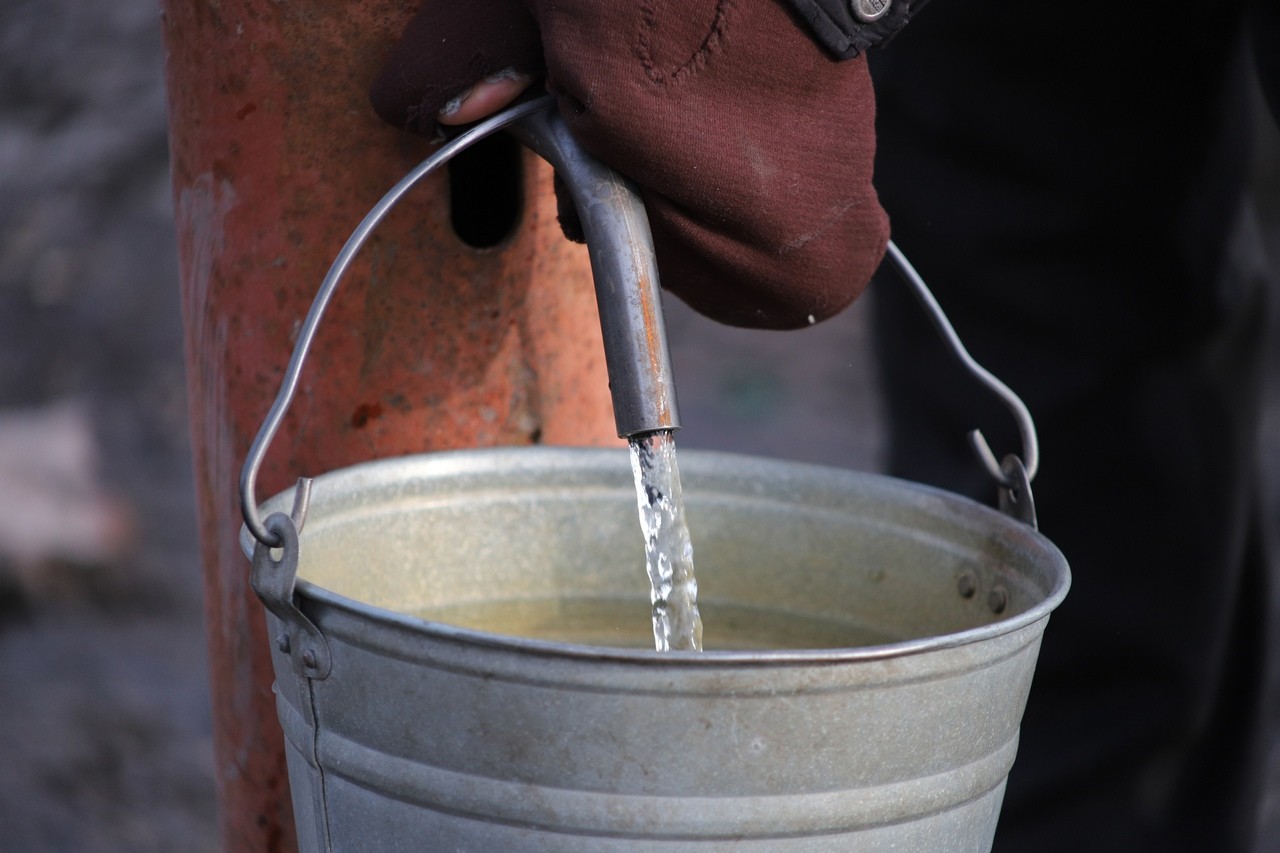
(1014, 474)
(626, 280)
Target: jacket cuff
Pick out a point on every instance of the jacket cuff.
(848, 27)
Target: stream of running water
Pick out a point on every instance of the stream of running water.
(668, 551)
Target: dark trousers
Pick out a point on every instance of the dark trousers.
(1071, 191)
(1142, 730)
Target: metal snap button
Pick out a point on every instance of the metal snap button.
(870, 10)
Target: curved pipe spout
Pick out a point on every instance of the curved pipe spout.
(626, 277)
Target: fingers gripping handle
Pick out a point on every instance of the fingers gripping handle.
(622, 263)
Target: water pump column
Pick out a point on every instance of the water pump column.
(432, 344)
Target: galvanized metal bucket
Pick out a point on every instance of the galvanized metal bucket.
(463, 659)
(870, 648)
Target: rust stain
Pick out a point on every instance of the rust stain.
(653, 336)
(364, 413)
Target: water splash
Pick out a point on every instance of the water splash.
(668, 551)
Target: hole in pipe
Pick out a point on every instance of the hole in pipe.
(485, 191)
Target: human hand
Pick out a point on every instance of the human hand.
(751, 148)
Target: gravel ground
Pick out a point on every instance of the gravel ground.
(104, 719)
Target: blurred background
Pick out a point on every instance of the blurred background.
(104, 718)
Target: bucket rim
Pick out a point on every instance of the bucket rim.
(309, 591)
(762, 658)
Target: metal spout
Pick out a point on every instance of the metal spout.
(620, 246)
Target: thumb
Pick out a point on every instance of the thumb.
(446, 49)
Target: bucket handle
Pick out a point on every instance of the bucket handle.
(629, 304)
(1013, 474)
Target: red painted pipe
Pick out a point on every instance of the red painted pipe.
(430, 344)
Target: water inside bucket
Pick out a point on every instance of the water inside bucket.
(620, 623)
(673, 594)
